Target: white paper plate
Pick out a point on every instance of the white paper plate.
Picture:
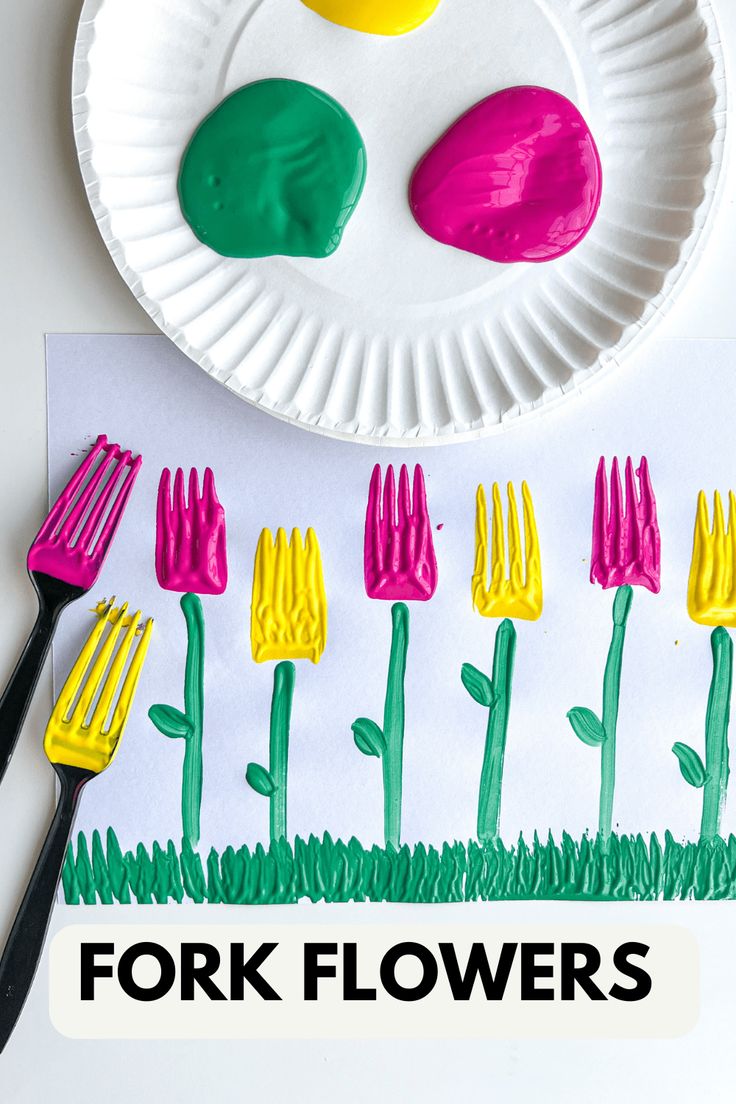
(396, 337)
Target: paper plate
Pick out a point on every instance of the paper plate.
(397, 338)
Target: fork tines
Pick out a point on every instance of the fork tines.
(87, 721)
(398, 556)
(191, 551)
(711, 596)
(626, 540)
(72, 543)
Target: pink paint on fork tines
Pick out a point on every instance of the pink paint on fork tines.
(398, 556)
(73, 542)
(626, 541)
(191, 551)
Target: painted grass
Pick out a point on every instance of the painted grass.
(323, 869)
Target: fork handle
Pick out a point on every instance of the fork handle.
(19, 691)
(25, 943)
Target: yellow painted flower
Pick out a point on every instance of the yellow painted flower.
(711, 592)
(289, 606)
(381, 17)
(518, 593)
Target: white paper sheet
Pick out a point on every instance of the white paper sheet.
(675, 405)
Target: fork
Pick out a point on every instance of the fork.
(398, 556)
(79, 746)
(518, 594)
(626, 540)
(64, 562)
(190, 535)
(711, 591)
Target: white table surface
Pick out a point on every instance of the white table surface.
(57, 277)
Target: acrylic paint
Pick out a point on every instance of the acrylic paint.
(272, 782)
(289, 604)
(626, 540)
(517, 178)
(191, 553)
(514, 590)
(399, 562)
(380, 17)
(189, 725)
(711, 594)
(627, 868)
(494, 694)
(277, 168)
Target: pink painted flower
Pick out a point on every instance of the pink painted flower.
(626, 540)
(398, 557)
(191, 552)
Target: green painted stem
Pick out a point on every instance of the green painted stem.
(716, 735)
(611, 693)
(491, 779)
(393, 725)
(284, 676)
(191, 787)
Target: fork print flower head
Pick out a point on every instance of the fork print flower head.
(399, 565)
(289, 606)
(711, 600)
(516, 593)
(191, 553)
(288, 622)
(191, 559)
(625, 553)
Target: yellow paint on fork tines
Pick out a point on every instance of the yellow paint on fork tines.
(518, 593)
(91, 745)
(711, 591)
(289, 605)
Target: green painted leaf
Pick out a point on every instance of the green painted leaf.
(478, 685)
(368, 737)
(586, 726)
(691, 765)
(260, 780)
(170, 721)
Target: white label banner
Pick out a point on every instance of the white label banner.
(378, 981)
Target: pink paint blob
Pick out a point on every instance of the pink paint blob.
(398, 555)
(191, 553)
(626, 539)
(73, 542)
(517, 178)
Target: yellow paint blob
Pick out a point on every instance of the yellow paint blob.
(711, 591)
(381, 17)
(288, 615)
(75, 738)
(517, 593)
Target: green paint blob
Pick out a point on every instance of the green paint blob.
(277, 168)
